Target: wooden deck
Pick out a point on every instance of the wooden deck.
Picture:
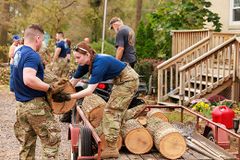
(190, 154)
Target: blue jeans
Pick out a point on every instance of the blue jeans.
(11, 78)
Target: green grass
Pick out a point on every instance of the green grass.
(175, 116)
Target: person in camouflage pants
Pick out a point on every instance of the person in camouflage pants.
(125, 86)
(35, 118)
(33, 114)
(61, 58)
(103, 67)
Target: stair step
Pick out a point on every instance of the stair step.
(192, 90)
(168, 103)
(198, 82)
(215, 73)
(178, 97)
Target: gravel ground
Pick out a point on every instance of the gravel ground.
(9, 146)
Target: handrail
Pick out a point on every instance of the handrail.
(181, 54)
(196, 30)
(202, 57)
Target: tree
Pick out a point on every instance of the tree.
(138, 12)
(177, 15)
(4, 24)
(145, 42)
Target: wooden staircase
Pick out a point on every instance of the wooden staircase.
(206, 68)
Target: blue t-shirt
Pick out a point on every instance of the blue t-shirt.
(104, 67)
(26, 57)
(68, 49)
(62, 45)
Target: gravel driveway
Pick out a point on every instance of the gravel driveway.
(9, 146)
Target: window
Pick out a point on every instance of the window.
(235, 12)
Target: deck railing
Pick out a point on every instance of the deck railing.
(215, 67)
(168, 72)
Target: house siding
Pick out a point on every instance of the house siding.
(222, 8)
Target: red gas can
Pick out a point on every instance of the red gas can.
(223, 115)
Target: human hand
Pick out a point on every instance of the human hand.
(61, 97)
(58, 86)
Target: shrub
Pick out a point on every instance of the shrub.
(108, 47)
(4, 54)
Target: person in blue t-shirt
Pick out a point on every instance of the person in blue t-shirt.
(60, 60)
(103, 67)
(33, 114)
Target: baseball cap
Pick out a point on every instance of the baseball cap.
(113, 20)
(16, 38)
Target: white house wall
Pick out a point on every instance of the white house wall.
(222, 8)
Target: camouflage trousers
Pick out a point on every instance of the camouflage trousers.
(125, 86)
(35, 118)
(61, 67)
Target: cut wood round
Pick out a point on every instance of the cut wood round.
(93, 106)
(63, 107)
(104, 143)
(153, 123)
(136, 138)
(157, 113)
(169, 142)
(142, 120)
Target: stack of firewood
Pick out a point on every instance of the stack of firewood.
(140, 130)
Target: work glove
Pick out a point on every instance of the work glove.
(61, 97)
(58, 86)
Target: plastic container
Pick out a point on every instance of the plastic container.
(223, 115)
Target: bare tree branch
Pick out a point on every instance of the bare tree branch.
(68, 5)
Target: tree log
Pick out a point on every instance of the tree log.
(169, 142)
(136, 138)
(93, 106)
(154, 112)
(142, 120)
(134, 112)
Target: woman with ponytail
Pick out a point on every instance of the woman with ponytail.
(101, 67)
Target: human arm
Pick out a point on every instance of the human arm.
(56, 54)
(119, 53)
(74, 81)
(11, 51)
(68, 57)
(31, 80)
(89, 90)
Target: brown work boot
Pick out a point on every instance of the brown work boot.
(111, 151)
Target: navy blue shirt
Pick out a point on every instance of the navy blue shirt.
(26, 57)
(64, 49)
(68, 49)
(104, 67)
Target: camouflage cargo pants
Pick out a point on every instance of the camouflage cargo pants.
(35, 118)
(123, 90)
(61, 67)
